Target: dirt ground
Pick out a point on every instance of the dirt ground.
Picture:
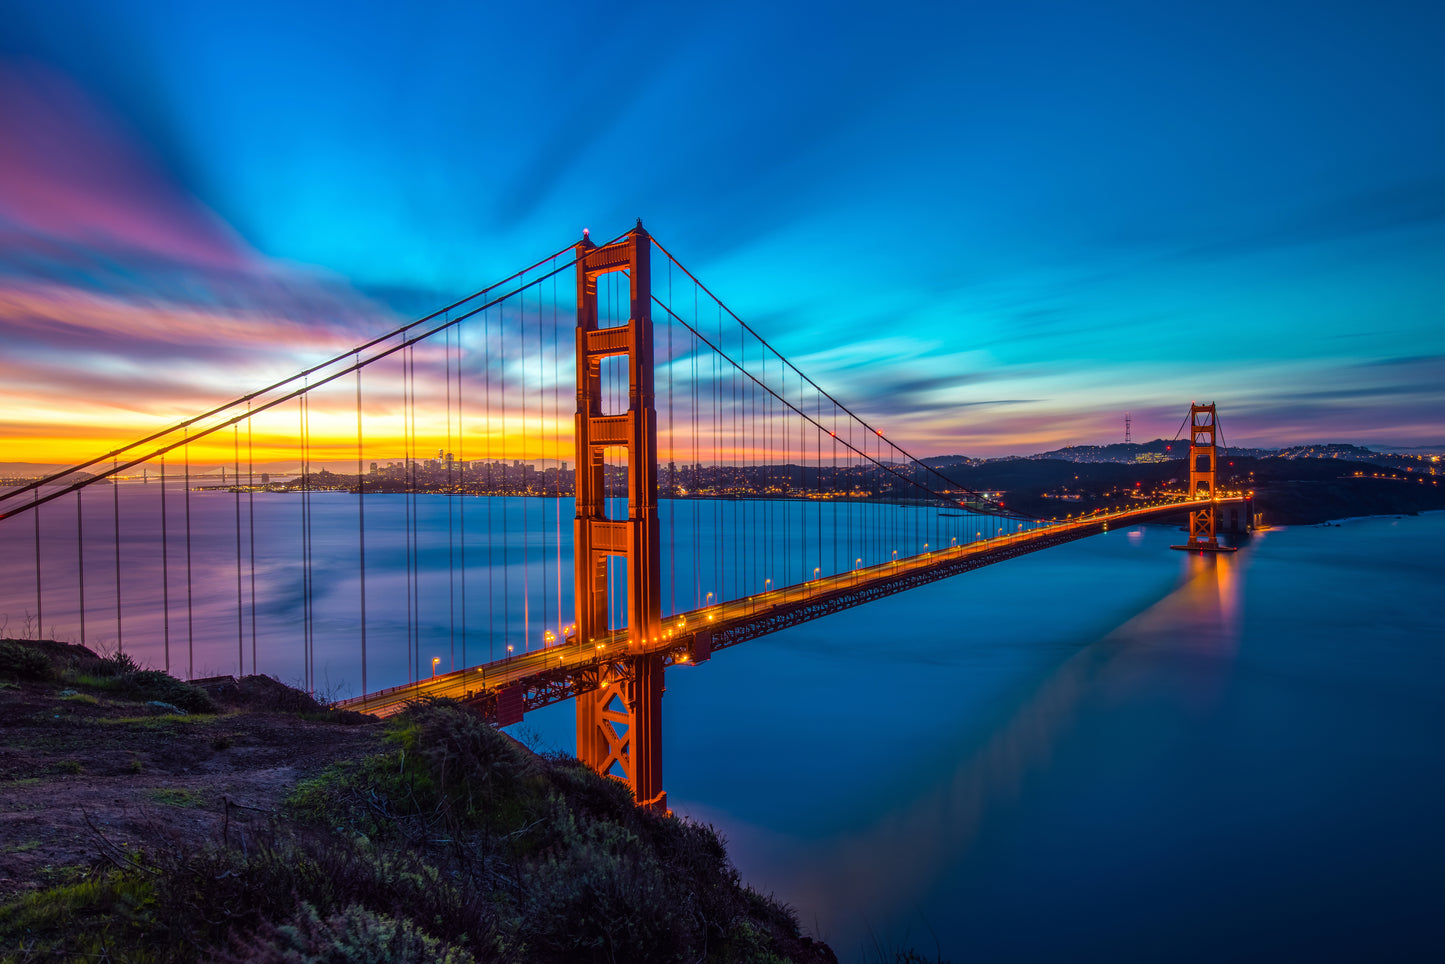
(83, 773)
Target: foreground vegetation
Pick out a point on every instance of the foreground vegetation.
(452, 843)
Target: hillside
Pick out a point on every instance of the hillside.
(142, 819)
(1288, 491)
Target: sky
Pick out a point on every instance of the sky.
(992, 228)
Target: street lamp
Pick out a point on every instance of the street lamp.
(434, 661)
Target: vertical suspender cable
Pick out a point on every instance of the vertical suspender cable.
(165, 569)
(39, 595)
(115, 498)
(506, 513)
(451, 504)
(462, 484)
(491, 488)
(251, 519)
(305, 563)
(240, 608)
(696, 462)
(671, 459)
(308, 634)
(557, 451)
(190, 610)
(361, 522)
(544, 576)
(80, 559)
(721, 564)
(739, 532)
(408, 381)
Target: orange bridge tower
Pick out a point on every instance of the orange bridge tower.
(1203, 462)
(619, 724)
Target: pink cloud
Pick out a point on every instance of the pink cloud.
(70, 173)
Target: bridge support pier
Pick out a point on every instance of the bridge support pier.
(619, 725)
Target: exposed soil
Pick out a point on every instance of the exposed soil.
(83, 771)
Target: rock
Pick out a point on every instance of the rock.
(160, 707)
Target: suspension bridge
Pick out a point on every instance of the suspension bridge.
(555, 488)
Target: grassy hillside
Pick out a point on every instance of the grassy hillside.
(258, 826)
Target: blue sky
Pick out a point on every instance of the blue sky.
(993, 227)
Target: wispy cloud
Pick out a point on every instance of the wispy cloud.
(72, 175)
(123, 300)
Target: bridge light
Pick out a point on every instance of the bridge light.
(437, 659)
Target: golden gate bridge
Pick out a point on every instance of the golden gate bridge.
(712, 493)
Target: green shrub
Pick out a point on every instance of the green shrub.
(451, 771)
(108, 667)
(604, 897)
(472, 763)
(19, 661)
(84, 920)
(352, 935)
(152, 684)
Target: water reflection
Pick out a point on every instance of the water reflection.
(877, 874)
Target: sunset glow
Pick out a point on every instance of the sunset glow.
(1056, 244)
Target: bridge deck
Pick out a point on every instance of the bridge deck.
(562, 671)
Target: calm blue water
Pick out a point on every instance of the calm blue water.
(1107, 750)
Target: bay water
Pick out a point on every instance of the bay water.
(1106, 750)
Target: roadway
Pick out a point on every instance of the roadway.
(577, 661)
